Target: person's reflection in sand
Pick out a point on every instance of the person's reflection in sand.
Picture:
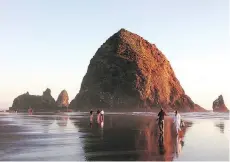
(46, 122)
(102, 131)
(62, 120)
(220, 125)
(161, 144)
(102, 124)
(178, 145)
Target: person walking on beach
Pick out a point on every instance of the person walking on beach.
(160, 119)
(177, 121)
(98, 116)
(102, 116)
(30, 111)
(91, 117)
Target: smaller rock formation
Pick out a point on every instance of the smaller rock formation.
(38, 103)
(219, 106)
(63, 99)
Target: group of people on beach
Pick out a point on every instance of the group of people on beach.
(100, 117)
(178, 123)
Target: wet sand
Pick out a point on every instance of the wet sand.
(124, 136)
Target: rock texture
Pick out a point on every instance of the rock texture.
(128, 72)
(63, 99)
(38, 103)
(219, 106)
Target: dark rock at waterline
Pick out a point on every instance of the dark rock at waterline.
(219, 105)
(38, 103)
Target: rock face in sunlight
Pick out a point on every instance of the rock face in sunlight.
(38, 103)
(128, 72)
(63, 99)
(219, 106)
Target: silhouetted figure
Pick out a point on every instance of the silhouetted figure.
(160, 119)
(91, 117)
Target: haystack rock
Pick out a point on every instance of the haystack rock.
(63, 99)
(38, 103)
(219, 106)
(127, 72)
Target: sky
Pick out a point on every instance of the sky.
(49, 43)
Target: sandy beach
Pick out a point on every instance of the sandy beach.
(124, 136)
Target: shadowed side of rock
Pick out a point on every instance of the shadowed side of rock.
(38, 103)
(219, 105)
(128, 72)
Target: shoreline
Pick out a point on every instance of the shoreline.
(109, 110)
(114, 110)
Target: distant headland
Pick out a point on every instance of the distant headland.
(42, 103)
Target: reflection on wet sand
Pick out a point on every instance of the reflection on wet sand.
(62, 120)
(178, 146)
(121, 137)
(131, 138)
(158, 146)
(220, 125)
(161, 144)
(39, 137)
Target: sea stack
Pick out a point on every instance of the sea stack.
(219, 105)
(127, 72)
(63, 99)
(38, 103)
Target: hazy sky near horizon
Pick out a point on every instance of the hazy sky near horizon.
(49, 43)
